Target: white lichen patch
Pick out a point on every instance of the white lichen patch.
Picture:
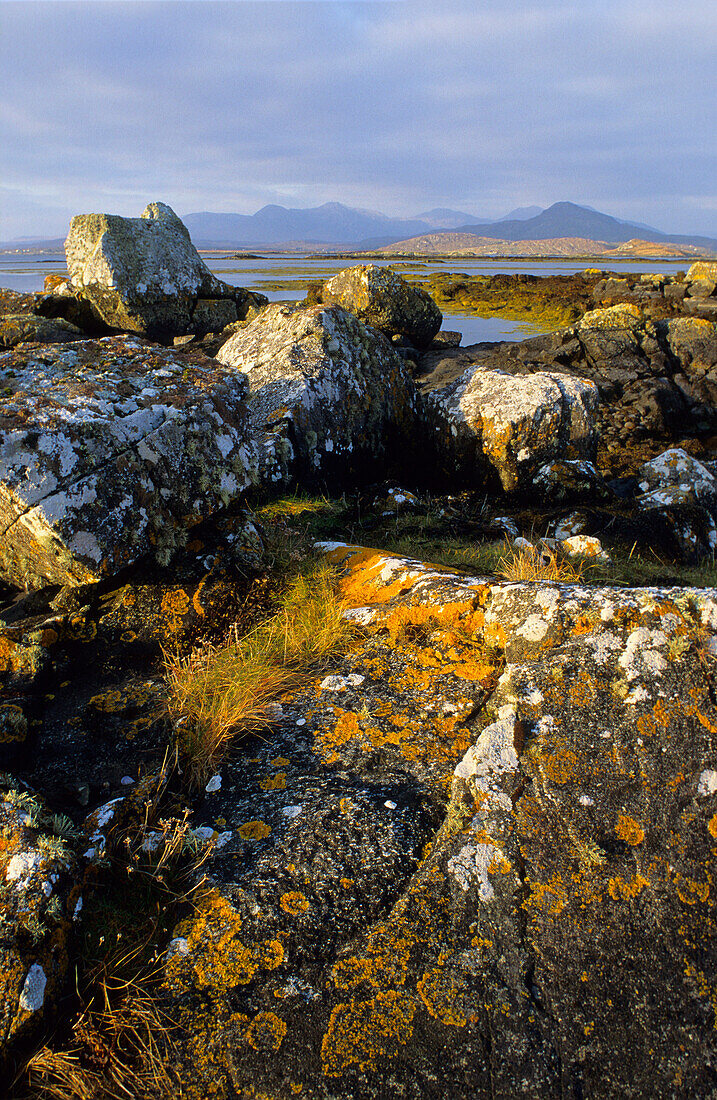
(32, 996)
(642, 656)
(707, 783)
(533, 629)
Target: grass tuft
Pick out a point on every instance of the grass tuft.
(536, 563)
(220, 693)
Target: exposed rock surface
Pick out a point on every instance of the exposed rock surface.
(487, 418)
(383, 299)
(37, 903)
(657, 381)
(324, 391)
(22, 328)
(109, 449)
(474, 860)
(144, 275)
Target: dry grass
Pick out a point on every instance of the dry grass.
(119, 1052)
(537, 563)
(219, 693)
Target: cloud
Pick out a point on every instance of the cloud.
(398, 105)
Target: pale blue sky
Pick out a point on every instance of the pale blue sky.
(397, 105)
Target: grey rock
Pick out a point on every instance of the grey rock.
(143, 275)
(383, 299)
(328, 395)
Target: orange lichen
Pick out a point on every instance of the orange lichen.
(174, 606)
(618, 888)
(266, 1032)
(549, 897)
(442, 995)
(560, 765)
(689, 891)
(273, 782)
(629, 830)
(254, 830)
(712, 825)
(217, 959)
(361, 1032)
(294, 903)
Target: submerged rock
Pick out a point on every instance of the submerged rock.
(110, 449)
(327, 396)
(144, 275)
(384, 300)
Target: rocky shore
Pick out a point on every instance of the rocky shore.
(465, 844)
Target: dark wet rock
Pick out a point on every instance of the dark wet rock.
(570, 479)
(144, 275)
(492, 821)
(327, 395)
(111, 449)
(386, 301)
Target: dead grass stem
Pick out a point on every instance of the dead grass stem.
(536, 563)
(219, 693)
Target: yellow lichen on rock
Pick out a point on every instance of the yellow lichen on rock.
(360, 1033)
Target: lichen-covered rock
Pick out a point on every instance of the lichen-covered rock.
(701, 279)
(386, 301)
(38, 896)
(565, 480)
(23, 328)
(583, 546)
(624, 315)
(144, 275)
(474, 859)
(110, 449)
(325, 392)
(675, 468)
(489, 419)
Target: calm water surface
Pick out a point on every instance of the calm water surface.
(27, 273)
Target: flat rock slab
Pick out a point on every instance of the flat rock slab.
(474, 859)
(325, 392)
(110, 449)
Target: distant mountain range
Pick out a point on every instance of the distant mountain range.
(335, 227)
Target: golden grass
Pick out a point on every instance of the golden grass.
(118, 1053)
(220, 693)
(537, 563)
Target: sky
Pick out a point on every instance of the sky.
(391, 105)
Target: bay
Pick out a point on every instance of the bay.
(283, 277)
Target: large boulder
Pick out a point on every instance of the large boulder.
(328, 395)
(474, 858)
(110, 449)
(144, 275)
(492, 422)
(386, 301)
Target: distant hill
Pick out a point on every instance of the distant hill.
(567, 219)
(335, 227)
(521, 213)
(442, 218)
(333, 223)
(467, 244)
